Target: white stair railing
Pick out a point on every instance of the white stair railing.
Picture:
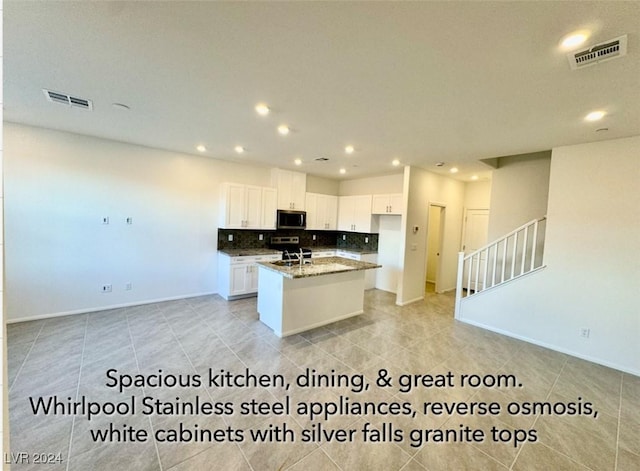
(513, 255)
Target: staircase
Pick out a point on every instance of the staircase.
(514, 255)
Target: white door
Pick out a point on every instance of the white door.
(476, 225)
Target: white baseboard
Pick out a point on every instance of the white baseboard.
(420, 298)
(106, 308)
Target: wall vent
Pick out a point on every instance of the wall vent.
(64, 99)
(605, 51)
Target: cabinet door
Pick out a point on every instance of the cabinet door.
(252, 278)
(380, 204)
(253, 207)
(345, 213)
(298, 190)
(332, 213)
(238, 279)
(396, 204)
(362, 213)
(234, 206)
(269, 208)
(311, 204)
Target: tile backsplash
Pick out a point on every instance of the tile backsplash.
(250, 239)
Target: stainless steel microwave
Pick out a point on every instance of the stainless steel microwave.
(291, 219)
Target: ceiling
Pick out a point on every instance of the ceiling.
(421, 82)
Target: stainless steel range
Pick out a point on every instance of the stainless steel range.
(290, 247)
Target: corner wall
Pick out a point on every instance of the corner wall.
(59, 186)
(592, 258)
(424, 188)
(519, 192)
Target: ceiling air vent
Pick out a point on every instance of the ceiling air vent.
(599, 53)
(57, 97)
(321, 159)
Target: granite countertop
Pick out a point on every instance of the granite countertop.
(319, 266)
(248, 252)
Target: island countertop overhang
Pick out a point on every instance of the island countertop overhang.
(319, 267)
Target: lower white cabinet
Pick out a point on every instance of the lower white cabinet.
(369, 275)
(323, 253)
(238, 276)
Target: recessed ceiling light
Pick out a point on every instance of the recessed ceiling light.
(574, 39)
(239, 149)
(343, 171)
(349, 149)
(283, 129)
(474, 177)
(201, 148)
(298, 161)
(595, 116)
(453, 169)
(395, 162)
(262, 109)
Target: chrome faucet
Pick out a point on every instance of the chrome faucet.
(287, 254)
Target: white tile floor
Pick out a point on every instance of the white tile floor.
(69, 356)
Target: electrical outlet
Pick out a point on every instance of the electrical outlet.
(106, 288)
(105, 220)
(260, 236)
(313, 237)
(584, 332)
(230, 237)
(344, 236)
(128, 286)
(366, 240)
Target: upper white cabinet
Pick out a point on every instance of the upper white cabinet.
(322, 212)
(354, 213)
(387, 204)
(292, 188)
(247, 207)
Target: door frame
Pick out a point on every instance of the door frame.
(443, 212)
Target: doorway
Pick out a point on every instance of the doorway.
(475, 229)
(435, 231)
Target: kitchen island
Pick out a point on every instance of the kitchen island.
(296, 298)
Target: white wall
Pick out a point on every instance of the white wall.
(592, 254)
(389, 255)
(324, 186)
(58, 253)
(423, 188)
(372, 185)
(477, 195)
(519, 191)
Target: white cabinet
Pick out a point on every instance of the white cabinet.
(322, 212)
(292, 188)
(247, 207)
(369, 275)
(387, 204)
(269, 208)
(354, 213)
(323, 253)
(238, 276)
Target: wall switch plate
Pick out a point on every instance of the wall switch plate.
(260, 236)
(129, 220)
(230, 237)
(106, 288)
(584, 332)
(105, 220)
(128, 286)
(314, 237)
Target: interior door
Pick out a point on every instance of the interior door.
(476, 225)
